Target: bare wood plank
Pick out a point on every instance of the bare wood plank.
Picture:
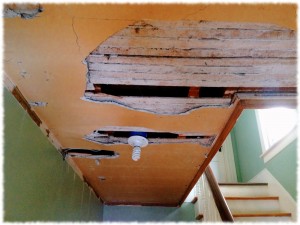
(213, 33)
(201, 80)
(193, 69)
(197, 52)
(158, 105)
(123, 42)
(210, 62)
(206, 25)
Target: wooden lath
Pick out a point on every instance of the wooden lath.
(195, 55)
(120, 135)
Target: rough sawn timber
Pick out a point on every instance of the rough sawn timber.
(191, 54)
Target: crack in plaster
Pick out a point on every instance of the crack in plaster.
(77, 38)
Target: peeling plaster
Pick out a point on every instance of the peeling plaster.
(38, 104)
(25, 11)
(90, 154)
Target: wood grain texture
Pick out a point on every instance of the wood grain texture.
(191, 54)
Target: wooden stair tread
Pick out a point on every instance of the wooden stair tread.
(269, 214)
(243, 184)
(252, 198)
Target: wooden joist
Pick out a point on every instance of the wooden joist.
(210, 33)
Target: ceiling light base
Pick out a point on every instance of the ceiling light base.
(137, 142)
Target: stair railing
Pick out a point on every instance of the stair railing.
(211, 202)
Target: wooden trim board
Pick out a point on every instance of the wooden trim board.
(216, 146)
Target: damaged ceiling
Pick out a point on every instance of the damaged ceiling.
(89, 75)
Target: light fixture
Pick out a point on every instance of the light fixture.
(137, 140)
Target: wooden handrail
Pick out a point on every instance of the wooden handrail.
(221, 204)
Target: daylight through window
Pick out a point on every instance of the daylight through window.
(275, 124)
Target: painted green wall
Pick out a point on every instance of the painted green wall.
(247, 146)
(284, 168)
(185, 213)
(38, 184)
(247, 151)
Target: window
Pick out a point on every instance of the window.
(277, 129)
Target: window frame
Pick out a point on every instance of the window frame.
(273, 150)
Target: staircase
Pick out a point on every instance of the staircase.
(252, 202)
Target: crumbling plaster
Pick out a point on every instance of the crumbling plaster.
(60, 38)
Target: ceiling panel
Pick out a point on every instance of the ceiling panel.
(44, 57)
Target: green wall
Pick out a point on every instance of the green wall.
(284, 168)
(38, 184)
(247, 151)
(247, 147)
(185, 213)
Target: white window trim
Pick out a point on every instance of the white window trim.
(268, 154)
(260, 132)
